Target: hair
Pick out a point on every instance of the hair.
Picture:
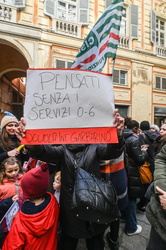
(132, 124)
(144, 125)
(7, 142)
(9, 161)
(127, 121)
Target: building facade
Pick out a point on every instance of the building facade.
(49, 33)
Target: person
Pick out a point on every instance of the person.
(4, 206)
(134, 157)
(88, 156)
(10, 177)
(114, 171)
(147, 138)
(9, 142)
(160, 139)
(155, 127)
(35, 226)
(57, 185)
(156, 208)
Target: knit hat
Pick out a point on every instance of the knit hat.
(7, 119)
(34, 183)
(144, 125)
(154, 126)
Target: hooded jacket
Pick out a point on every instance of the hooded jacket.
(88, 157)
(34, 231)
(10, 187)
(148, 137)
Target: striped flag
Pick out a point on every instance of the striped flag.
(102, 40)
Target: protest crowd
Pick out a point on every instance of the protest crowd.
(37, 183)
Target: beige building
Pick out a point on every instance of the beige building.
(49, 33)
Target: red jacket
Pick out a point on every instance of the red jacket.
(34, 231)
(9, 187)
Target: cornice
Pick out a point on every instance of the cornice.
(161, 10)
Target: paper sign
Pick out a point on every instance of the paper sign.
(8, 217)
(61, 104)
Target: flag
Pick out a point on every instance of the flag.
(102, 40)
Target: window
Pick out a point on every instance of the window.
(134, 21)
(119, 77)
(107, 3)
(68, 10)
(123, 23)
(123, 110)
(160, 32)
(16, 3)
(161, 83)
(62, 64)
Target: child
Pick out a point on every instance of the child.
(10, 177)
(57, 185)
(35, 226)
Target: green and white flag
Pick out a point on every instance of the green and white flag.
(102, 40)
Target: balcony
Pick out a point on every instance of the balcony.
(160, 51)
(67, 28)
(124, 42)
(7, 12)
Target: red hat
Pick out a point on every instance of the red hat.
(34, 183)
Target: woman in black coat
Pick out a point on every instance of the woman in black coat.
(88, 156)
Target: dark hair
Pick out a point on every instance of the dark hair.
(127, 121)
(133, 124)
(144, 125)
(6, 142)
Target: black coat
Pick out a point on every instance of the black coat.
(88, 157)
(136, 158)
(148, 137)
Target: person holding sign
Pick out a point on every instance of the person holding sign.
(88, 157)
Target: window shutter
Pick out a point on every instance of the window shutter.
(107, 3)
(20, 3)
(153, 27)
(49, 7)
(60, 64)
(134, 21)
(116, 76)
(84, 12)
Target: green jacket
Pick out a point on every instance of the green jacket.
(154, 211)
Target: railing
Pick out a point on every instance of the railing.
(7, 13)
(124, 42)
(160, 51)
(65, 27)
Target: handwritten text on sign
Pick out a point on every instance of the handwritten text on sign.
(68, 99)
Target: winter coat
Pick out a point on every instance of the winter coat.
(10, 187)
(135, 158)
(34, 231)
(114, 171)
(88, 158)
(154, 211)
(148, 137)
(3, 153)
